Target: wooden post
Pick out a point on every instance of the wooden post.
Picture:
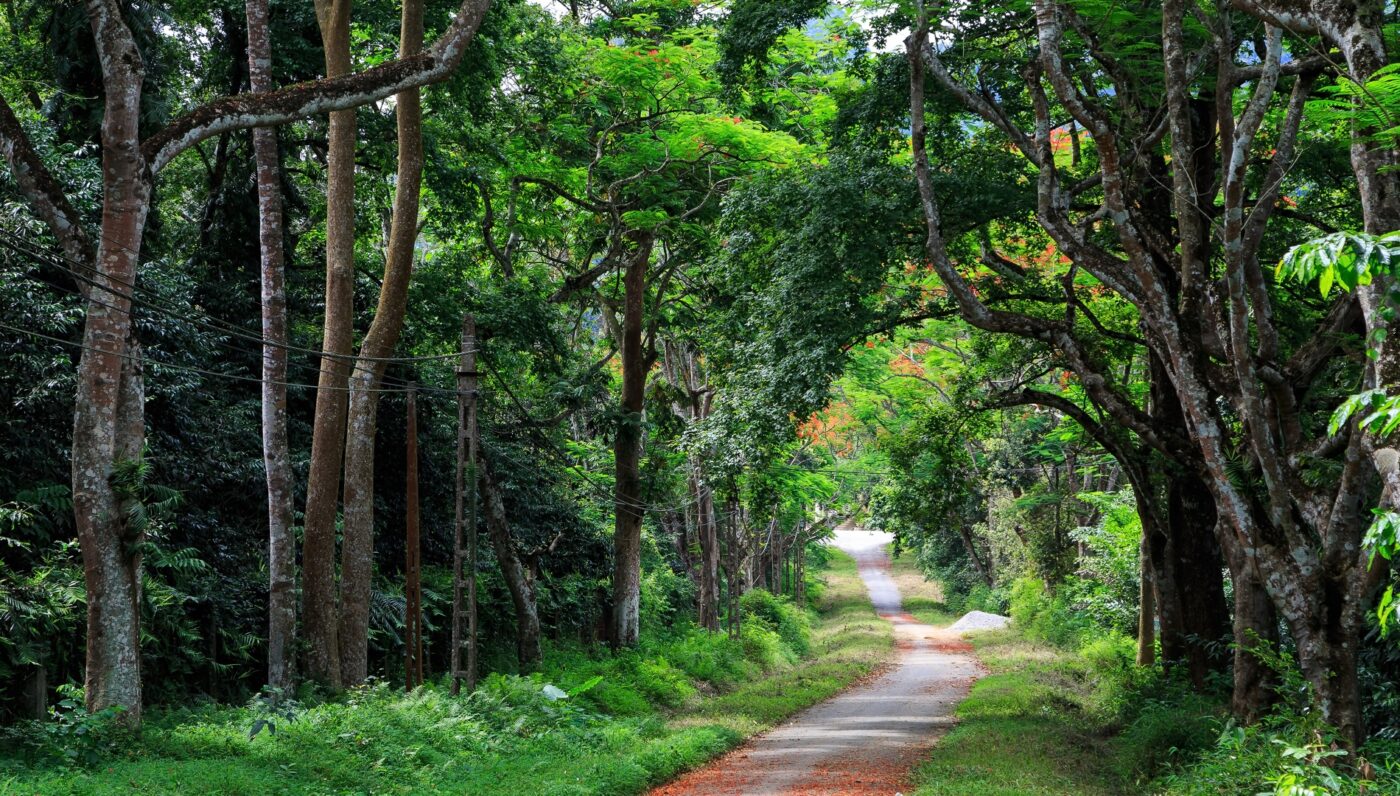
(800, 564)
(413, 590)
(464, 546)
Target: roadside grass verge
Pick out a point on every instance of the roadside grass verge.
(1048, 721)
(923, 598)
(848, 642)
(629, 720)
(1022, 731)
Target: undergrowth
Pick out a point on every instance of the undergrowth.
(1065, 711)
(1079, 722)
(592, 722)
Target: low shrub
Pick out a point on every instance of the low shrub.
(595, 721)
(983, 598)
(1291, 752)
(781, 616)
(1166, 732)
(1045, 618)
(713, 658)
(1028, 601)
(1111, 661)
(664, 593)
(71, 736)
(1275, 758)
(617, 697)
(763, 646)
(662, 683)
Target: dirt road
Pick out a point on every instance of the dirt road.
(865, 740)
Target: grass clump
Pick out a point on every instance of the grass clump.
(1066, 711)
(792, 626)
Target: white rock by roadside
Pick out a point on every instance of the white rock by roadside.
(979, 620)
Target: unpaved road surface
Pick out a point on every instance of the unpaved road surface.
(865, 740)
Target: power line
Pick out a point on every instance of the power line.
(583, 474)
(233, 331)
(389, 381)
(20, 245)
(188, 368)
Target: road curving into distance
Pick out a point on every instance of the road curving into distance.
(867, 739)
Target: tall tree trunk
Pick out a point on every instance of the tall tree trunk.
(413, 556)
(108, 412)
(357, 551)
(1187, 572)
(799, 566)
(1171, 624)
(1147, 606)
(709, 556)
(775, 560)
(1187, 562)
(627, 452)
(683, 524)
(1199, 575)
(683, 367)
(1329, 658)
(277, 465)
(970, 545)
(517, 577)
(321, 623)
(110, 549)
(1255, 626)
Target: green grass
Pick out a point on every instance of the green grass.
(848, 641)
(1034, 726)
(922, 598)
(667, 707)
(1051, 721)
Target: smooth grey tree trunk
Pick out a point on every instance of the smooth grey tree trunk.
(281, 546)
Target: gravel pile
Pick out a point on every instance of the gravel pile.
(980, 620)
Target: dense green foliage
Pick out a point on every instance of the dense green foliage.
(829, 326)
(639, 715)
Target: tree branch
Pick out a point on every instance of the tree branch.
(43, 193)
(242, 111)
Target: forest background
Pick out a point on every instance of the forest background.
(1086, 302)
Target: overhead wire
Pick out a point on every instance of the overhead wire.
(188, 368)
(19, 244)
(556, 453)
(598, 489)
(224, 328)
(29, 248)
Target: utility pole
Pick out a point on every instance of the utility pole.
(474, 444)
(464, 548)
(413, 591)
